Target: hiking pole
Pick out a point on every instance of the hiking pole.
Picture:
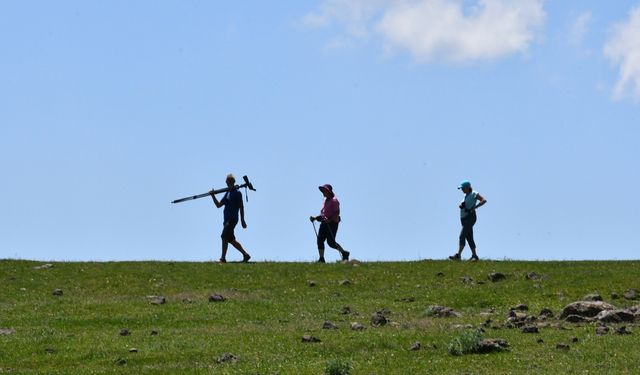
(314, 226)
(246, 185)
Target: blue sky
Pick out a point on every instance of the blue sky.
(110, 110)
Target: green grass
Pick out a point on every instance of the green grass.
(270, 307)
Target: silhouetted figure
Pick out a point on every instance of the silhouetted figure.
(329, 219)
(232, 202)
(472, 201)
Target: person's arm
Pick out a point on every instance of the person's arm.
(215, 200)
(481, 201)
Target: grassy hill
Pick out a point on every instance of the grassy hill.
(270, 306)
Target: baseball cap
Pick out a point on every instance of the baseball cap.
(464, 184)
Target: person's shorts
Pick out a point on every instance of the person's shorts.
(227, 232)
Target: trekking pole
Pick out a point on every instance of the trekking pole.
(314, 226)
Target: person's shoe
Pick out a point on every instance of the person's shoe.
(474, 258)
(345, 255)
(455, 257)
(245, 258)
(222, 260)
(321, 260)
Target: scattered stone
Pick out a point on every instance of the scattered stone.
(616, 316)
(346, 310)
(519, 319)
(614, 295)
(154, 333)
(310, 339)
(442, 312)
(216, 298)
(57, 292)
(602, 330)
(187, 300)
(49, 350)
(532, 276)
(622, 331)
(631, 294)
(492, 345)
(415, 346)
(120, 362)
(357, 326)
(329, 325)
(529, 329)
(157, 300)
(496, 276)
(311, 283)
(540, 341)
(378, 319)
(43, 266)
(345, 282)
(546, 313)
(537, 286)
(124, 332)
(561, 346)
(521, 307)
(406, 299)
(133, 350)
(466, 280)
(574, 339)
(592, 297)
(440, 274)
(587, 309)
(7, 331)
(228, 358)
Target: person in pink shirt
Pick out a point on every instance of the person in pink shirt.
(329, 219)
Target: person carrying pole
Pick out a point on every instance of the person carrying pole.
(468, 218)
(329, 219)
(232, 202)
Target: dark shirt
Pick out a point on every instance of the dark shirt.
(232, 202)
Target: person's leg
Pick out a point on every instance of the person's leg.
(461, 240)
(323, 234)
(223, 257)
(227, 237)
(238, 246)
(331, 241)
(470, 239)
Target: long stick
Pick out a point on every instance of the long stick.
(246, 184)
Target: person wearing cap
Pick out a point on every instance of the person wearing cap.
(472, 201)
(232, 202)
(329, 219)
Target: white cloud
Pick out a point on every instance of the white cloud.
(623, 50)
(440, 30)
(580, 28)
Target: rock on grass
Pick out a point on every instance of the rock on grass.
(631, 294)
(329, 325)
(585, 309)
(310, 339)
(7, 331)
(227, 358)
(496, 276)
(216, 298)
(157, 300)
(357, 326)
(57, 292)
(442, 312)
